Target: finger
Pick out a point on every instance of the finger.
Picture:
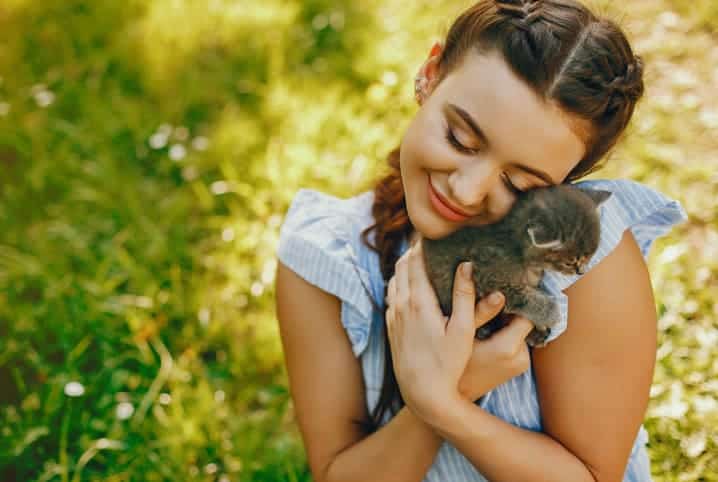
(389, 321)
(390, 331)
(523, 326)
(401, 273)
(419, 280)
(488, 307)
(463, 301)
(390, 292)
(512, 336)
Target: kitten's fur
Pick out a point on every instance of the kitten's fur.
(555, 228)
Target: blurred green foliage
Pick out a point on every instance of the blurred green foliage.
(148, 152)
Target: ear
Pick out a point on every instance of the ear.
(537, 234)
(598, 196)
(430, 69)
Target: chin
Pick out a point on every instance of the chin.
(429, 224)
(423, 216)
(432, 233)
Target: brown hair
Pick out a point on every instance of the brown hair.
(564, 53)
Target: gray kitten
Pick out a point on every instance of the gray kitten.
(555, 228)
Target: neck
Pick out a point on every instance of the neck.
(414, 237)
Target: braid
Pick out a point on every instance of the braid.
(619, 98)
(518, 8)
(522, 13)
(625, 88)
(629, 84)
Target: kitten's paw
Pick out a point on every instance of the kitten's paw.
(489, 328)
(485, 331)
(537, 337)
(545, 320)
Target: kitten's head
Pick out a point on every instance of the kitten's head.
(560, 226)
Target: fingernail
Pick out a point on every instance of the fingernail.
(466, 269)
(495, 298)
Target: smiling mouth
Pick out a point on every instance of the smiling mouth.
(442, 208)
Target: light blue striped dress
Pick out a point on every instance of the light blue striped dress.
(320, 241)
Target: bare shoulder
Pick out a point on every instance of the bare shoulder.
(594, 380)
(325, 377)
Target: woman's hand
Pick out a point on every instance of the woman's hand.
(497, 359)
(436, 358)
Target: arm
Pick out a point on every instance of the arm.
(328, 393)
(593, 384)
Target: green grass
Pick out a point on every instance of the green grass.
(148, 151)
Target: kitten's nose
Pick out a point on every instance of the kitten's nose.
(580, 269)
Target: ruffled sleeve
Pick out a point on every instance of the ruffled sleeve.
(648, 213)
(317, 241)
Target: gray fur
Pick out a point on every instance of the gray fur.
(555, 228)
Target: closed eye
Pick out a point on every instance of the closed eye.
(458, 145)
(451, 138)
(510, 185)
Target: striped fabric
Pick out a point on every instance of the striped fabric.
(320, 241)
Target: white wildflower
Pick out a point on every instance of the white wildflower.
(219, 187)
(124, 410)
(203, 316)
(200, 143)
(177, 152)
(158, 140)
(74, 389)
(227, 235)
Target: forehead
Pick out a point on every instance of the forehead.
(518, 124)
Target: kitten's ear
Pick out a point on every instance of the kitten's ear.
(598, 196)
(539, 234)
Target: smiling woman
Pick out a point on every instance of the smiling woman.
(483, 144)
(521, 94)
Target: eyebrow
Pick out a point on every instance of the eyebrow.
(480, 134)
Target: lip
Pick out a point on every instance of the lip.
(443, 208)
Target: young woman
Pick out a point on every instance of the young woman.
(520, 94)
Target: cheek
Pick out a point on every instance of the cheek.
(423, 147)
(500, 203)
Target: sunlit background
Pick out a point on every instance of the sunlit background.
(148, 152)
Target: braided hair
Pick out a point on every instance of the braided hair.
(567, 55)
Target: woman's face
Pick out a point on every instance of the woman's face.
(478, 131)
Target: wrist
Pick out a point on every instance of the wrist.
(420, 425)
(449, 419)
(437, 413)
(472, 395)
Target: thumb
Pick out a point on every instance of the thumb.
(488, 308)
(463, 301)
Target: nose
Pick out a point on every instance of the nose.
(471, 183)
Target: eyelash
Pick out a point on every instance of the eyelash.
(462, 148)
